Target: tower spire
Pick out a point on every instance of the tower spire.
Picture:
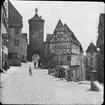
(36, 11)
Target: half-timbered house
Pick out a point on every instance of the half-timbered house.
(65, 49)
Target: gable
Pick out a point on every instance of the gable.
(60, 33)
(58, 26)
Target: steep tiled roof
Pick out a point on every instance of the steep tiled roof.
(91, 48)
(59, 24)
(48, 38)
(68, 29)
(72, 34)
(101, 21)
(101, 30)
(15, 18)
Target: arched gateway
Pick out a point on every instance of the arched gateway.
(35, 59)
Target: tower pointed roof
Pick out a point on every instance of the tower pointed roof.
(36, 16)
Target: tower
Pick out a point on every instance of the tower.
(36, 31)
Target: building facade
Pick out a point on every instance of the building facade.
(100, 45)
(36, 31)
(91, 59)
(63, 48)
(17, 45)
(47, 47)
(3, 34)
(24, 43)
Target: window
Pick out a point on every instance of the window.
(91, 59)
(91, 63)
(68, 58)
(22, 57)
(91, 53)
(9, 55)
(16, 42)
(14, 55)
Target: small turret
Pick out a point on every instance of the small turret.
(36, 11)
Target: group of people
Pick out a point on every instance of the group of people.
(38, 64)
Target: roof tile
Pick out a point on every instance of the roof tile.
(15, 18)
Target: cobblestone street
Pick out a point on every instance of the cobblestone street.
(41, 88)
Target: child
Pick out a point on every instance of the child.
(30, 71)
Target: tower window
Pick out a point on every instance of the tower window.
(91, 53)
(16, 42)
(91, 59)
(91, 63)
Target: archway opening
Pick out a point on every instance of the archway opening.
(36, 59)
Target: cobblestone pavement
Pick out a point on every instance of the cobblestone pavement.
(41, 88)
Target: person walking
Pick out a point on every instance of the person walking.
(61, 74)
(30, 71)
(34, 64)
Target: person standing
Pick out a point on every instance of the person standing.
(61, 73)
(34, 64)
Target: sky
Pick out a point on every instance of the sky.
(81, 17)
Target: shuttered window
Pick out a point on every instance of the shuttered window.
(68, 58)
